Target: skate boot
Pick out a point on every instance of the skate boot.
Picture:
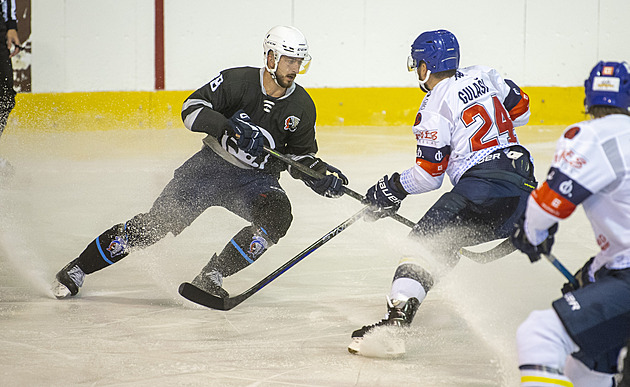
(68, 280)
(210, 281)
(400, 313)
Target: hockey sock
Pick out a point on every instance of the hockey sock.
(242, 250)
(107, 249)
(410, 281)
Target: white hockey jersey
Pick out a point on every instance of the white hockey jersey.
(461, 121)
(591, 167)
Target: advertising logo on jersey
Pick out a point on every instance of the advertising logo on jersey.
(291, 123)
(569, 157)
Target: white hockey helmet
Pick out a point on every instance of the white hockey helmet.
(288, 41)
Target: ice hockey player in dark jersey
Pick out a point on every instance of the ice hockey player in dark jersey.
(241, 110)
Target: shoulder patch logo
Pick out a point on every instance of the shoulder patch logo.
(572, 132)
(418, 119)
(291, 123)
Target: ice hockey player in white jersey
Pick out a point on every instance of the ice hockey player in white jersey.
(577, 342)
(464, 129)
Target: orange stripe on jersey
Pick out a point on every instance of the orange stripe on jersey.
(552, 202)
(434, 169)
(521, 107)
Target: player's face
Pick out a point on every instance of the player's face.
(288, 69)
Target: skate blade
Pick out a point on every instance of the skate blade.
(60, 290)
(377, 347)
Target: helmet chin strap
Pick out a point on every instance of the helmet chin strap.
(422, 82)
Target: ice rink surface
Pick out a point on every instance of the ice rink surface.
(129, 327)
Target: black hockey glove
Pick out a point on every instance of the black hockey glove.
(384, 197)
(332, 182)
(520, 241)
(249, 137)
(581, 276)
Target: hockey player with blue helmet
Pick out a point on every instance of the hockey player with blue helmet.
(577, 341)
(464, 129)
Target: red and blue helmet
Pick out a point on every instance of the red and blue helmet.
(438, 49)
(608, 85)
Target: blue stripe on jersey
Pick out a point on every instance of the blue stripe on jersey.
(567, 187)
(100, 250)
(237, 247)
(513, 97)
(433, 155)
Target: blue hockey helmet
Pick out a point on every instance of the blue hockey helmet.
(438, 49)
(608, 85)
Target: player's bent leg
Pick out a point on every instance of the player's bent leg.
(271, 218)
(108, 248)
(410, 281)
(543, 346)
(409, 288)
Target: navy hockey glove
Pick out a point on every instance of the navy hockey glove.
(581, 277)
(330, 186)
(384, 197)
(520, 241)
(250, 139)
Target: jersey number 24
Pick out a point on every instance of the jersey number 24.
(483, 138)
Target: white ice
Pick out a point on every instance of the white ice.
(128, 326)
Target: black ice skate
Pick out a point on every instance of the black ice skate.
(68, 280)
(210, 281)
(399, 315)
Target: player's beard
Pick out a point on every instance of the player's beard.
(284, 80)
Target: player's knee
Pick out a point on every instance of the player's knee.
(142, 230)
(272, 212)
(442, 214)
(540, 339)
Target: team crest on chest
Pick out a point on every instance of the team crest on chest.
(291, 123)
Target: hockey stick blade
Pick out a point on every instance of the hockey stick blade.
(198, 296)
(499, 251)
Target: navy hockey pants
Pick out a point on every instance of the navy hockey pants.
(597, 317)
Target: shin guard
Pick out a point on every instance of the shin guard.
(246, 247)
(107, 249)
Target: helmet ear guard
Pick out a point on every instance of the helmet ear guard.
(608, 85)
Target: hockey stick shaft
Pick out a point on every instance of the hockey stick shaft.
(554, 261)
(503, 249)
(499, 251)
(196, 295)
(314, 174)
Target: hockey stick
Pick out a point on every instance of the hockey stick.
(554, 261)
(501, 250)
(308, 171)
(198, 296)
